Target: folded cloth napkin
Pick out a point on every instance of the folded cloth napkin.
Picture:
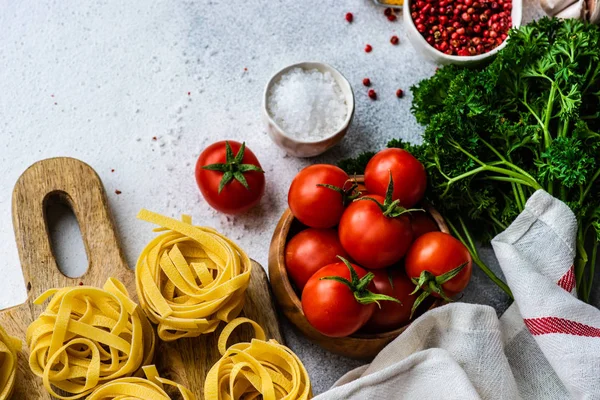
(545, 346)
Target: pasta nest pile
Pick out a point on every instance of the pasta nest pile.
(190, 278)
(259, 369)
(88, 336)
(9, 346)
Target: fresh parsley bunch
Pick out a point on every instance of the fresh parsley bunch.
(528, 120)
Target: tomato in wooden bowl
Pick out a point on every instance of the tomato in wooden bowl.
(362, 344)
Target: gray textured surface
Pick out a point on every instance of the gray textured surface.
(120, 72)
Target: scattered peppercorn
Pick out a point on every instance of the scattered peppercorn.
(394, 40)
(349, 17)
(372, 94)
(367, 82)
(391, 17)
(387, 12)
(399, 93)
(112, 170)
(154, 138)
(118, 191)
(189, 93)
(368, 48)
(80, 283)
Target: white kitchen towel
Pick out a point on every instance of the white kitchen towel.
(545, 346)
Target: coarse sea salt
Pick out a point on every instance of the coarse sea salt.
(307, 104)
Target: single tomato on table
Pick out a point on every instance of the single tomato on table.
(311, 250)
(408, 173)
(319, 194)
(338, 299)
(391, 315)
(376, 231)
(439, 264)
(230, 183)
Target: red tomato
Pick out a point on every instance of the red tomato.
(390, 316)
(318, 206)
(422, 223)
(230, 184)
(410, 179)
(330, 306)
(311, 250)
(439, 253)
(372, 239)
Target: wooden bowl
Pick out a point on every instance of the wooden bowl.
(363, 346)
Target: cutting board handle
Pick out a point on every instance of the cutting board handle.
(76, 184)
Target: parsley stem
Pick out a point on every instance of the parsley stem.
(589, 186)
(517, 196)
(497, 221)
(591, 271)
(469, 173)
(564, 128)
(475, 255)
(537, 117)
(548, 116)
(513, 180)
(466, 231)
(506, 162)
(491, 167)
(593, 79)
(581, 260)
(521, 196)
(563, 193)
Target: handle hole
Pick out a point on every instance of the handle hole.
(65, 237)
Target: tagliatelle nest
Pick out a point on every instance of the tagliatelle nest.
(9, 346)
(259, 369)
(190, 278)
(88, 336)
(139, 388)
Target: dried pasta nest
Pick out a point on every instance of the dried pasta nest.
(88, 336)
(9, 346)
(190, 278)
(153, 387)
(259, 369)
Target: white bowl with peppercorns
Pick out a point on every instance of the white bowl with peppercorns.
(460, 31)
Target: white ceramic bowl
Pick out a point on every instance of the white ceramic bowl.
(301, 148)
(432, 54)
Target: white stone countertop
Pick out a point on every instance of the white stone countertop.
(97, 80)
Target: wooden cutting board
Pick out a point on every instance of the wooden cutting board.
(77, 185)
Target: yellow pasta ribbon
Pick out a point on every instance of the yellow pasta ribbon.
(259, 369)
(9, 346)
(189, 278)
(88, 336)
(150, 388)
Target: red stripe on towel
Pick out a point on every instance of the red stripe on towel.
(567, 281)
(545, 325)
